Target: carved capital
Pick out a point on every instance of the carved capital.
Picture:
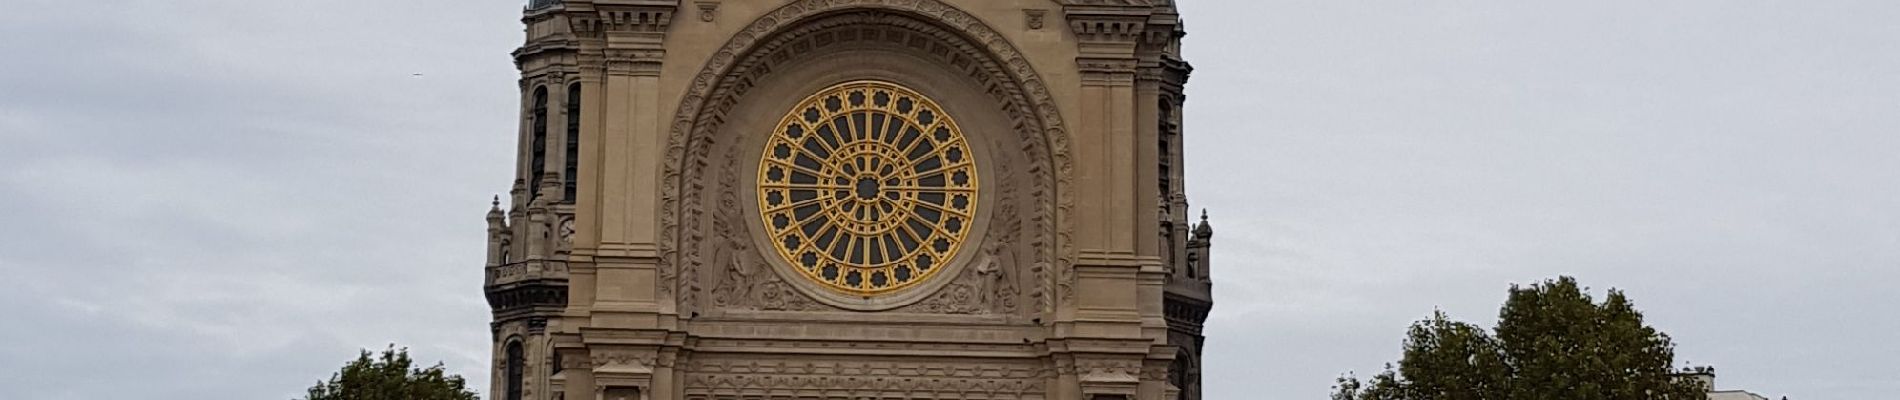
(1110, 65)
(634, 61)
(1107, 71)
(537, 325)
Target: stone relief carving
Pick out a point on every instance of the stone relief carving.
(566, 231)
(990, 286)
(745, 281)
(643, 360)
(708, 10)
(741, 274)
(1026, 98)
(566, 362)
(986, 288)
(995, 290)
(959, 297)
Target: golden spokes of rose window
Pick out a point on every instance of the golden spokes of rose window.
(867, 187)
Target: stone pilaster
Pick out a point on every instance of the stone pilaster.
(1106, 336)
(629, 317)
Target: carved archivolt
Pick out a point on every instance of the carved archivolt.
(960, 39)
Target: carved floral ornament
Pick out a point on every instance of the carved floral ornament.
(962, 38)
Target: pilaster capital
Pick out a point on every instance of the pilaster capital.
(623, 16)
(1108, 34)
(634, 61)
(1111, 32)
(1106, 65)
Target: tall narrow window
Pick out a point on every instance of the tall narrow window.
(538, 142)
(1166, 155)
(569, 175)
(516, 362)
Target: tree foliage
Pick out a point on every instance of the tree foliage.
(1552, 342)
(390, 375)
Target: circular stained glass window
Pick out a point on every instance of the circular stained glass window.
(867, 187)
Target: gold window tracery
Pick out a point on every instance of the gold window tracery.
(867, 187)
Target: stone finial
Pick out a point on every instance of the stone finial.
(1205, 229)
(496, 219)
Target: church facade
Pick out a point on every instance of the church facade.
(849, 199)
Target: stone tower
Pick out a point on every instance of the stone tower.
(849, 199)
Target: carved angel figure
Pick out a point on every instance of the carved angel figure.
(736, 287)
(994, 288)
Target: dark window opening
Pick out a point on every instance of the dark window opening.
(570, 174)
(538, 141)
(1182, 375)
(516, 363)
(1166, 154)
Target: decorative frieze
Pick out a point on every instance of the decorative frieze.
(717, 379)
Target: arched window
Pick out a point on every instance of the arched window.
(569, 175)
(538, 141)
(1181, 375)
(516, 363)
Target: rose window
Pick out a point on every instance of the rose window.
(867, 187)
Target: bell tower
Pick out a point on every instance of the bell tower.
(842, 199)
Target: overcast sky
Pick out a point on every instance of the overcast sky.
(228, 198)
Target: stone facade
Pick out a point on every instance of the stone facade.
(632, 261)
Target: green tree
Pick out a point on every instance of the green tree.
(1552, 342)
(390, 376)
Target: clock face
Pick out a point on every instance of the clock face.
(867, 187)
